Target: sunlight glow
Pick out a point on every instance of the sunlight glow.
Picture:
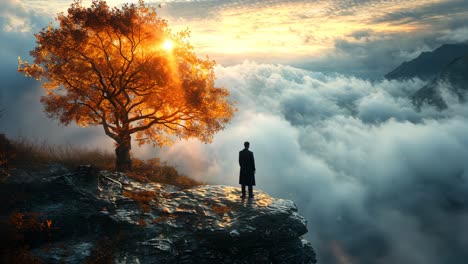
(280, 29)
(168, 45)
(296, 28)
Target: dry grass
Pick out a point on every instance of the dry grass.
(4, 165)
(5, 153)
(26, 153)
(143, 198)
(153, 170)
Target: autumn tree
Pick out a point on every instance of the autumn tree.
(124, 69)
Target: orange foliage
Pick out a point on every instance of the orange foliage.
(164, 218)
(19, 232)
(141, 222)
(143, 198)
(220, 209)
(29, 221)
(107, 66)
(160, 219)
(49, 224)
(153, 170)
(26, 221)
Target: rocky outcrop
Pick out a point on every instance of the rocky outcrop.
(92, 216)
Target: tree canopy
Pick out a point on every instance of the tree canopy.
(123, 68)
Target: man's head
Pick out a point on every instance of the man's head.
(246, 144)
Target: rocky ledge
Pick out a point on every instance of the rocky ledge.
(91, 216)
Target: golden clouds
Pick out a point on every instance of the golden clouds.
(294, 28)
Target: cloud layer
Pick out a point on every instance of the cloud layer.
(377, 181)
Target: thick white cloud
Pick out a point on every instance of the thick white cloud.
(371, 174)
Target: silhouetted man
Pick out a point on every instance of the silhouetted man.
(247, 170)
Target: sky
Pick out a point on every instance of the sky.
(359, 37)
(377, 180)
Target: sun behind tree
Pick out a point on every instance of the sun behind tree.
(123, 68)
(168, 45)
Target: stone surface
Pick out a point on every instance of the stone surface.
(98, 214)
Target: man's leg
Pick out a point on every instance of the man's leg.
(251, 191)
(243, 190)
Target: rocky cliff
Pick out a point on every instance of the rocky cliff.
(50, 215)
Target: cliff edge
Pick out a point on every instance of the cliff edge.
(91, 216)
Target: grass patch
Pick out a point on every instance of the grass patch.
(143, 198)
(4, 165)
(24, 153)
(153, 170)
(5, 153)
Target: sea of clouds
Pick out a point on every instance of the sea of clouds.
(377, 180)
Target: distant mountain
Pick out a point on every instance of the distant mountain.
(452, 79)
(428, 64)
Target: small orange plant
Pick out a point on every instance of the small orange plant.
(160, 219)
(143, 198)
(141, 222)
(26, 221)
(220, 209)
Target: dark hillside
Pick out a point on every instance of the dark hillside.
(428, 64)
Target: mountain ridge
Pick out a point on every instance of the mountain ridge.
(452, 79)
(428, 64)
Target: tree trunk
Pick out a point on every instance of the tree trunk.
(123, 161)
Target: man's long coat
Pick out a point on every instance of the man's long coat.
(247, 167)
